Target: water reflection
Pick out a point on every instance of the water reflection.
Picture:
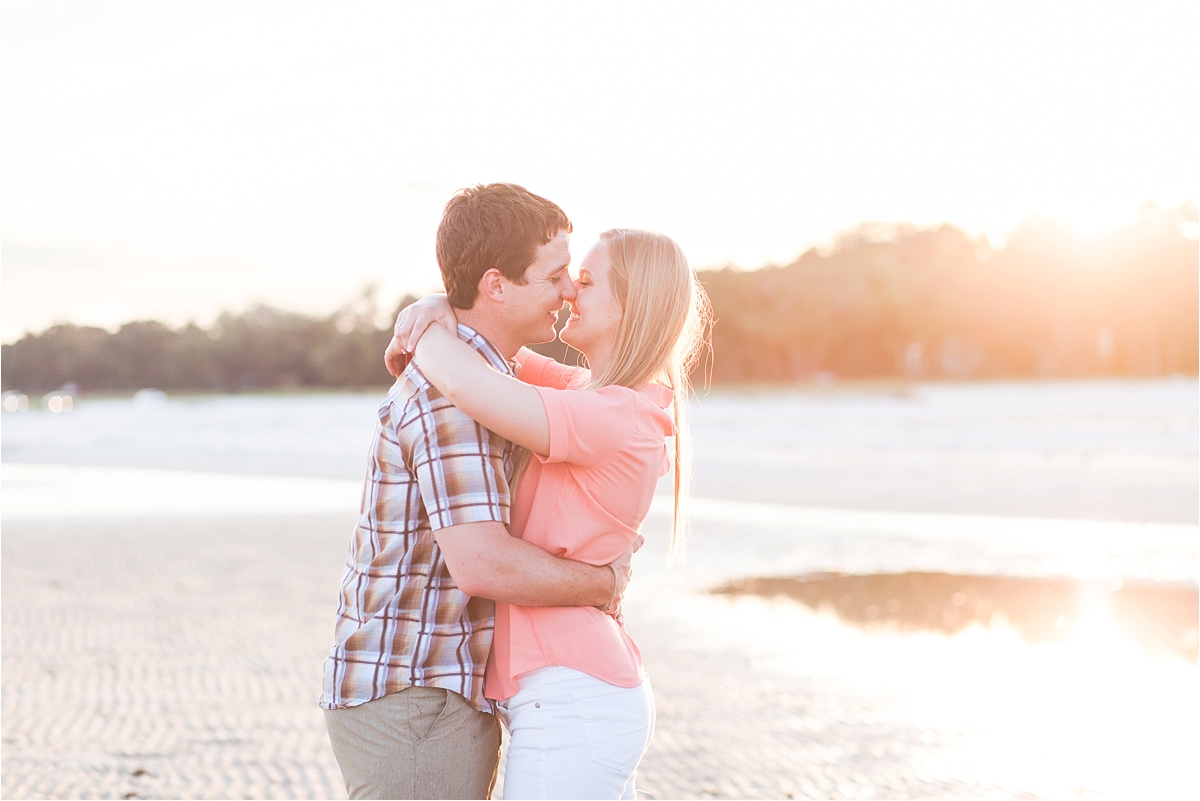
(1160, 616)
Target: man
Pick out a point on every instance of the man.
(403, 686)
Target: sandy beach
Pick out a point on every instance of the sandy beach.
(157, 653)
(169, 657)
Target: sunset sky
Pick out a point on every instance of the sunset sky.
(172, 160)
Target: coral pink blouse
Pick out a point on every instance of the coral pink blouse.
(585, 501)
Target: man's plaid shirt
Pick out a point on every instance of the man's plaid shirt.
(401, 620)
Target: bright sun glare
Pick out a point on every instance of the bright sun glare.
(314, 156)
(1093, 707)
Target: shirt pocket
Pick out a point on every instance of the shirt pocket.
(617, 722)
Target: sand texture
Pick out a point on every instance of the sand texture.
(180, 657)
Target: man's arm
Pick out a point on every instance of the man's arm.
(486, 561)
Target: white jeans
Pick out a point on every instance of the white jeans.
(574, 736)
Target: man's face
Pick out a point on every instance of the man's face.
(531, 309)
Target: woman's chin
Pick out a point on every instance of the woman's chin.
(566, 336)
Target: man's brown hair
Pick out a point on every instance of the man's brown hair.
(492, 225)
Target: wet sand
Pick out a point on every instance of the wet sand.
(180, 657)
(168, 658)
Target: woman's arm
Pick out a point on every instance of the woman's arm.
(512, 409)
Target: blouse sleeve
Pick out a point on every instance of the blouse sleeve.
(588, 426)
(542, 371)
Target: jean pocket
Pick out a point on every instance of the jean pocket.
(617, 722)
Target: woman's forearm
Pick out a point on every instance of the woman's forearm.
(445, 360)
(498, 402)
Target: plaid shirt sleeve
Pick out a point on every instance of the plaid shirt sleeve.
(459, 465)
(402, 620)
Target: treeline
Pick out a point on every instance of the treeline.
(262, 349)
(895, 301)
(882, 302)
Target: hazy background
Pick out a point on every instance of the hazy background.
(172, 161)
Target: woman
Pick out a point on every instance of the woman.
(568, 681)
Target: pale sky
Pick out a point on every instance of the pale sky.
(171, 160)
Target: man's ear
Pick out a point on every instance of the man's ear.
(492, 285)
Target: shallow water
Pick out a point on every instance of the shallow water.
(1098, 450)
(1161, 617)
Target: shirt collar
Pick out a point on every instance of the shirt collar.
(477, 341)
(661, 395)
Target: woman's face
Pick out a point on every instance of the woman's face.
(595, 310)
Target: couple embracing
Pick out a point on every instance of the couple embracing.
(500, 511)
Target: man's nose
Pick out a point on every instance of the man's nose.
(568, 291)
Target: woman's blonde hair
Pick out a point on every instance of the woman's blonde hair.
(664, 326)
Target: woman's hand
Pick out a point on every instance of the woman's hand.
(411, 324)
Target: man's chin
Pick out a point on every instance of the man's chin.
(541, 337)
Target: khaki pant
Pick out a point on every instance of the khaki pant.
(421, 742)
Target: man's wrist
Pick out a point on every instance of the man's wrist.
(612, 597)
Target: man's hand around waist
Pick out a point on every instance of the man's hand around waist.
(485, 561)
(622, 568)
